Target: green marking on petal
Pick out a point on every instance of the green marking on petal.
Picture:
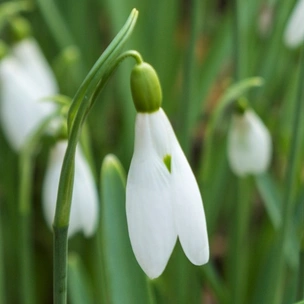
(167, 162)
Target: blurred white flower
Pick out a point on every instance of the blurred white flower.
(249, 144)
(294, 32)
(163, 200)
(84, 209)
(25, 78)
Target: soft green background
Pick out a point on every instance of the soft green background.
(191, 44)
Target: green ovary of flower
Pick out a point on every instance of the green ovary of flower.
(146, 89)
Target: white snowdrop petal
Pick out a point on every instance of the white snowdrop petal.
(21, 110)
(85, 195)
(188, 208)
(148, 202)
(29, 54)
(51, 180)
(294, 33)
(152, 134)
(84, 210)
(249, 145)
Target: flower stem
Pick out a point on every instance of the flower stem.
(82, 103)
(2, 263)
(239, 233)
(27, 291)
(131, 53)
(60, 264)
(300, 291)
(25, 241)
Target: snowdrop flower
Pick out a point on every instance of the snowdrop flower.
(249, 144)
(163, 200)
(25, 78)
(294, 32)
(84, 209)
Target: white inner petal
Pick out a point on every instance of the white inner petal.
(85, 196)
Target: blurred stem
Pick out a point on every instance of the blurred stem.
(212, 277)
(189, 72)
(239, 236)
(300, 291)
(291, 181)
(237, 40)
(25, 242)
(56, 23)
(102, 291)
(60, 264)
(2, 263)
(241, 217)
(27, 292)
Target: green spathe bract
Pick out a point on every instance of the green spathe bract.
(146, 89)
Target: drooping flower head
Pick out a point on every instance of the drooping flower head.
(84, 209)
(294, 32)
(249, 144)
(163, 200)
(25, 79)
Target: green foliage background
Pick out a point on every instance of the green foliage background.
(192, 47)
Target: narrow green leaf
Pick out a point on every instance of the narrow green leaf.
(78, 284)
(102, 66)
(126, 281)
(271, 197)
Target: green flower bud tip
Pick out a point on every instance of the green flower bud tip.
(146, 89)
(241, 106)
(71, 54)
(20, 29)
(111, 166)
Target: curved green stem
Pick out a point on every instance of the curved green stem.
(27, 291)
(131, 53)
(239, 250)
(79, 109)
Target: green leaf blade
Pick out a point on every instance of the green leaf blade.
(126, 281)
